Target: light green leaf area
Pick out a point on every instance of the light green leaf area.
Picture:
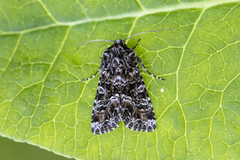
(44, 103)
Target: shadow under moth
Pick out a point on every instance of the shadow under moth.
(121, 92)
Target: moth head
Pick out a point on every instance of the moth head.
(119, 42)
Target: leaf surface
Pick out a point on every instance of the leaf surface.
(44, 103)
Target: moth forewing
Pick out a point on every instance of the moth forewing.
(121, 92)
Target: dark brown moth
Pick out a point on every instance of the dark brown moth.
(121, 92)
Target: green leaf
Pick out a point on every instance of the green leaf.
(43, 102)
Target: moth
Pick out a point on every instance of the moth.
(121, 92)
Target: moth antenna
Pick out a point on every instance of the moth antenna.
(146, 32)
(94, 41)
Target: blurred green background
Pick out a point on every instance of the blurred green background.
(10, 150)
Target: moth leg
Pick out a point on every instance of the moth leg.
(136, 44)
(92, 76)
(144, 68)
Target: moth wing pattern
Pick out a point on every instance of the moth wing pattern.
(105, 113)
(137, 110)
(121, 92)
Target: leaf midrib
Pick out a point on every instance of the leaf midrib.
(202, 5)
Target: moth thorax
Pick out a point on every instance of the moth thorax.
(117, 63)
